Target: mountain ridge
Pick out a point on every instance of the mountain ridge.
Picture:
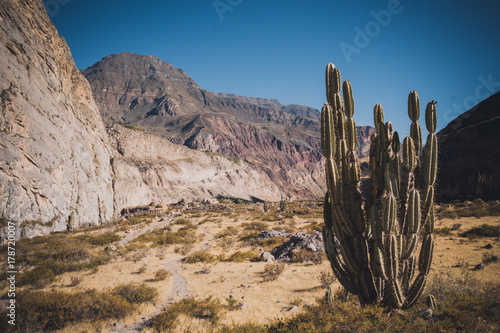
(282, 140)
(469, 152)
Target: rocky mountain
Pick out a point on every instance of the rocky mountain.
(54, 150)
(59, 160)
(281, 140)
(148, 168)
(469, 154)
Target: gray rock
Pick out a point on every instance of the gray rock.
(266, 256)
(290, 309)
(479, 267)
(312, 242)
(495, 258)
(110, 248)
(271, 233)
(118, 326)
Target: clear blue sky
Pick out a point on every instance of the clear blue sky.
(448, 51)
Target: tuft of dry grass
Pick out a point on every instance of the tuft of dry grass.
(53, 310)
(326, 279)
(200, 256)
(272, 271)
(162, 274)
(239, 256)
(209, 309)
(484, 230)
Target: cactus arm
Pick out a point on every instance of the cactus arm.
(389, 214)
(415, 291)
(410, 246)
(327, 141)
(414, 217)
(332, 253)
(396, 294)
(380, 264)
(430, 160)
(409, 267)
(392, 257)
(425, 258)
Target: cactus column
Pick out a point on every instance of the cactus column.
(371, 243)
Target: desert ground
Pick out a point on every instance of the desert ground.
(211, 253)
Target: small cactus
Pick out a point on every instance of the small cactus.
(266, 206)
(329, 296)
(71, 221)
(283, 204)
(378, 235)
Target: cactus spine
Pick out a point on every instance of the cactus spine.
(371, 242)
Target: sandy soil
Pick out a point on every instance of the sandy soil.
(262, 302)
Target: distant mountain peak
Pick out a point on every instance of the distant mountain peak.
(282, 140)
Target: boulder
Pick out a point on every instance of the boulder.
(290, 309)
(312, 242)
(266, 256)
(266, 234)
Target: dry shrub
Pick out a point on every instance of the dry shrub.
(227, 232)
(464, 303)
(161, 254)
(337, 317)
(488, 257)
(297, 301)
(200, 256)
(209, 309)
(326, 279)
(444, 231)
(233, 304)
(304, 255)
(138, 255)
(102, 239)
(43, 258)
(255, 226)
(484, 230)
(181, 221)
(162, 274)
(75, 281)
(142, 269)
(226, 244)
(185, 248)
(136, 293)
(272, 271)
(39, 311)
(239, 256)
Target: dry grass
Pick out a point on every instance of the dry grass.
(229, 269)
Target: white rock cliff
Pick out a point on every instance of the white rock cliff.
(54, 151)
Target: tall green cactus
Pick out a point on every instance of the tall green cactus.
(372, 242)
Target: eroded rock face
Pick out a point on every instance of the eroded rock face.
(54, 153)
(149, 168)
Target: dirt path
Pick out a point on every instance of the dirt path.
(152, 226)
(179, 284)
(211, 237)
